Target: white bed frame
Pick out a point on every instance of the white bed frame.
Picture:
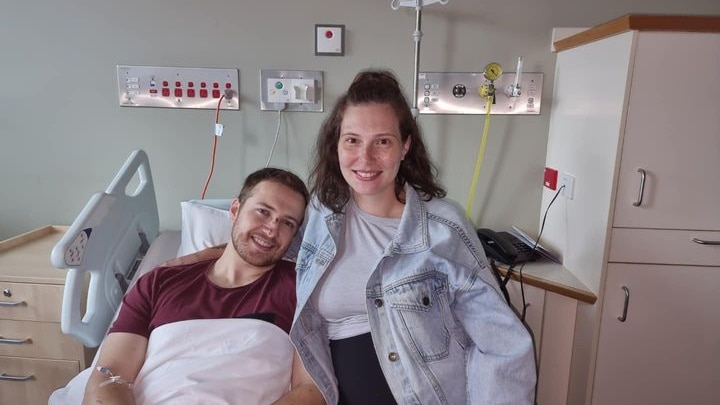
(108, 240)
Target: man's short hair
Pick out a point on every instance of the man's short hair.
(280, 176)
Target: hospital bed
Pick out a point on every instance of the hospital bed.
(113, 241)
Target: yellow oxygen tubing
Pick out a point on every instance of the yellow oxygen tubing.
(480, 156)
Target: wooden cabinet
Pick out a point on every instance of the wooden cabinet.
(644, 143)
(35, 356)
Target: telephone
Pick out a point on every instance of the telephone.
(505, 247)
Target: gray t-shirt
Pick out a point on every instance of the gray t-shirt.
(340, 298)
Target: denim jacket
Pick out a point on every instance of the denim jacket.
(442, 330)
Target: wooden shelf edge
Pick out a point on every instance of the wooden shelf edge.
(26, 237)
(564, 290)
(641, 22)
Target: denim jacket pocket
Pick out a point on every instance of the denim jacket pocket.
(421, 306)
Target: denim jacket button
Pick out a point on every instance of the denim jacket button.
(393, 356)
(378, 303)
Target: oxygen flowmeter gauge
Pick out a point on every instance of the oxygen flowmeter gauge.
(492, 71)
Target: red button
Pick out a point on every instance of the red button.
(216, 85)
(203, 84)
(165, 83)
(228, 85)
(203, 93)
(328, 34)
(191, 84)
(153, 91)
(191, 93)
(178, 92)
(216, 93)
(178, 84)
(166, 92)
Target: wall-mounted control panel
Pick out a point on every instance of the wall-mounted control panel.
(291, 90)
(178, 87)
(460, 93)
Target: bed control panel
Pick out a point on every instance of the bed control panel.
(178, 87)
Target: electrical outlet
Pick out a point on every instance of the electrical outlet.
(567, 181)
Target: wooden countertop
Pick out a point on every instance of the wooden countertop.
(640, 22)
(25, 258)
(552, 277)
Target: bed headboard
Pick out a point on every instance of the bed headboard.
(108, 240)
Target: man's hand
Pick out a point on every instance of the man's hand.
(122, 354)
(205, 254)
(303, 390)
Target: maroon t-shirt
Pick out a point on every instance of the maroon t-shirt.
(180, 293)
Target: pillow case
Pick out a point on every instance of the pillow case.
(205, 223)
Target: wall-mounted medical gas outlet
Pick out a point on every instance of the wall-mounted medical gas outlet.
(458, 93)
(291, 90)
(178, 87)
(567, 180)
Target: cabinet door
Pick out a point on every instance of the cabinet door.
(667, 351)
(672, 132)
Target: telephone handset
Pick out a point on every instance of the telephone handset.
(505, 247)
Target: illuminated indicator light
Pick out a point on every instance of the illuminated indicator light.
(216, 93)
(216, 85)
(203, 93)
(328, 34)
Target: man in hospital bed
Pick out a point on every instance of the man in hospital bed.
(165, 345)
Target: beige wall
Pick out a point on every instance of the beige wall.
(63, 135)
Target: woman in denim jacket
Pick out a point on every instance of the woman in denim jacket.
(396, 300)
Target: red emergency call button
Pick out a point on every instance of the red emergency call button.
(191, 93)
(216, 93)
(328, 34)
(178, 92)
(203, 93)
(166, 92)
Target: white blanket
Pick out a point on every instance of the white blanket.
(218, 361)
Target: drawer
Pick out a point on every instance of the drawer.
(39, 340)
(36, 379)
(31, 302)
(655, 246)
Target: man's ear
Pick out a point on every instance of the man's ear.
(234, 209)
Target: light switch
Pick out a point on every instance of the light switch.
(329, 40)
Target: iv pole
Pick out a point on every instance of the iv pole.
(417, 36)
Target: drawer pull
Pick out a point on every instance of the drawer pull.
(642, 188)
(14, 341)
(12, 304)
(8, 377)
(623, 317)
(706, 242)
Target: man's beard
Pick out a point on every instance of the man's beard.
(251, 255)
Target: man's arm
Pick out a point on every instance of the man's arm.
(303, 390)
(123, 354)
(205, 254)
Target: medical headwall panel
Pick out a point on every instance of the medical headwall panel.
(178, 87)
(461, 93)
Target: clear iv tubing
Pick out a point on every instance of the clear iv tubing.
(480, 155)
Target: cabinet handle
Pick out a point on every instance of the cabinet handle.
(706, 242)
(14, 341)
(8, 377)
(642, 188)
(625, 306)
(12, 304)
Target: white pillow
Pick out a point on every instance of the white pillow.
(205, 223)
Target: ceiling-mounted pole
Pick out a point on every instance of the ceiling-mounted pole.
(417, 36)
